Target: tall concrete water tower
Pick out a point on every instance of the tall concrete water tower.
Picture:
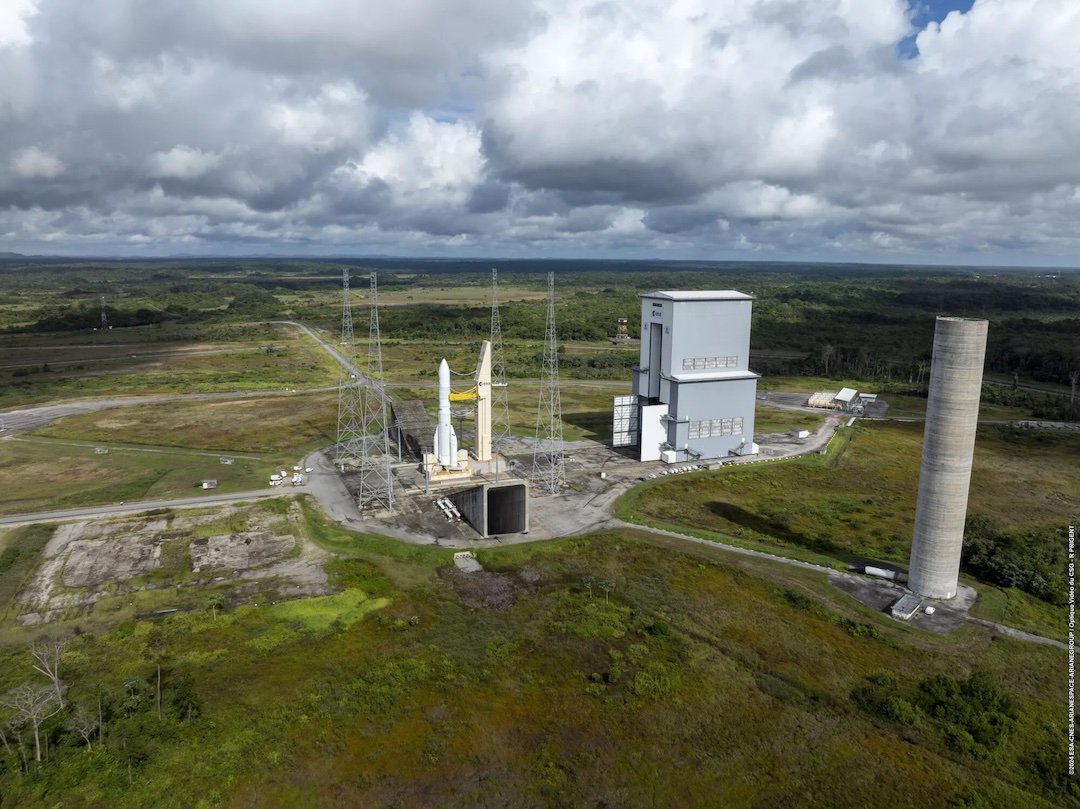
(952, 416)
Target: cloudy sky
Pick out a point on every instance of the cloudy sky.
(848, 130)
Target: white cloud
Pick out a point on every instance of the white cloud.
(32, 162)
(182, 163)
(431, 165)
(336, 115)
(14, 15)
(696, 126)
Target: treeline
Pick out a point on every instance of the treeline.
(973, 717)
(246, 301)
(1032, 561)
(872, 323)
(55, 713)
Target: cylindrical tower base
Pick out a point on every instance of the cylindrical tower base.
(952, 417)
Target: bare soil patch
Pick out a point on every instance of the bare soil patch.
(87, 561)
(482, 589)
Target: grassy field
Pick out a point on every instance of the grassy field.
(860, 505)
(772, 420)
(398, 692)
(284, 359)
(295, 424)
(41, 474)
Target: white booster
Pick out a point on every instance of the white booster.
(445, 437)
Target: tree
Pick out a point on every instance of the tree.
(827, 353)
(185, 697)
(4, 739)
(606, 585)
(215, 602)
(587, 582)
(84, 723)
(34, 705)
(47, 653)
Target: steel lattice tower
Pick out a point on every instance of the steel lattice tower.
(500, 405)
(350, 433)
(376, 479)
(549, 472)
(104, 317)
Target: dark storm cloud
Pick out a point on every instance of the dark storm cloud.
(488, 198)
(678, 219)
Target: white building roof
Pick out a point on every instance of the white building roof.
(700, 295)
(709, 376)
(846, 394)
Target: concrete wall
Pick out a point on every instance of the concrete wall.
(714, 400)
(495, 508)
(709, 329)
(473, 507)
(689, 329)
(952, 414)
(653, 431)
(507, 508)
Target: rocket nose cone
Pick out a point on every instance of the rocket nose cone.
(443, 366)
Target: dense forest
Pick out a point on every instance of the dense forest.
(872, 323)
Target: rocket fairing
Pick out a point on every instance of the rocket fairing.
(446, 449)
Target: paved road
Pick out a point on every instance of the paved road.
(339, 358)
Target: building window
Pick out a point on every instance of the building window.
(716, 428)
(709, 363)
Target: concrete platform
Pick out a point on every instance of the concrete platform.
(880, 595)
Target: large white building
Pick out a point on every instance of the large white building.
(694, 392)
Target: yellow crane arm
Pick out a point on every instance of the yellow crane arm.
(466, 396)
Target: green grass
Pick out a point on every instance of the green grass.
(864, 503)
(1013, 607)
(773, 420)
(41, 474)
(296, 423)
(402, 562)
(860, 504)
(20, 555)
(98, 369)
(317, 614)
(701, 681)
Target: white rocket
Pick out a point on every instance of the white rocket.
(445, 437)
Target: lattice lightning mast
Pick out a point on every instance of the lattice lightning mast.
(350, 433)
(549, 472)
(500, 406)
(376, 478)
